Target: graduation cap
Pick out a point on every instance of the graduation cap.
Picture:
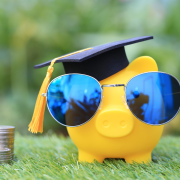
(99, 62)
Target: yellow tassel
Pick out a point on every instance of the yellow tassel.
(36, 124)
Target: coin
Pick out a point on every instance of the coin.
(5, 155)
(6, 143)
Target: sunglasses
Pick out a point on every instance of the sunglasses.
(152, 97)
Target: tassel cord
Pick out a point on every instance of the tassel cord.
(36, 124)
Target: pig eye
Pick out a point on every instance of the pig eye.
(153, 97)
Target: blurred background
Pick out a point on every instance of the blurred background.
(32, 32)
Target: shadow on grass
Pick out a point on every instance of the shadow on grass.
(15, 159)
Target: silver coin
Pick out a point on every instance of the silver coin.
(6, 141)
(4, 137)
(5, 152)
(3, 127)
(6, 158)
(5, 155)
(5, 162)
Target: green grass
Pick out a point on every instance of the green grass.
(52, 157)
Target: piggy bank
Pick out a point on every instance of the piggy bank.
(114, 132)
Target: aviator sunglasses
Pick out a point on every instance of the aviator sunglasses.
(152, 97)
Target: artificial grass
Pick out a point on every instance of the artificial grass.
(53, 157)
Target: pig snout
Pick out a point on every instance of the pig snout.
(114, 122)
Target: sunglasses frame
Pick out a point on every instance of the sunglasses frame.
(45, 94)
(146, 73)
(111, 85)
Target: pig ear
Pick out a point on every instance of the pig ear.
(143, 64)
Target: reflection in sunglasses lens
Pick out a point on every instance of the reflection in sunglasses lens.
(73, 99)
(153, 97)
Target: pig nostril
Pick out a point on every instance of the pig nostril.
(106, 123)
(123, 124)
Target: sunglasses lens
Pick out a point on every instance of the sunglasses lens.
(153, 97)
(73, 99)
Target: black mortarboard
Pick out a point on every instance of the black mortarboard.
(99, 62)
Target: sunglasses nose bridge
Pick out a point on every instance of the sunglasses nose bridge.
(114, 95)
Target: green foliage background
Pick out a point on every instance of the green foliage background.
(32, 32)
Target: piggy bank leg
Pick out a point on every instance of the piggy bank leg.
(87, 157)
(139, 158)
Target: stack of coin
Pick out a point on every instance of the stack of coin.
(6, 143)
(5, 155)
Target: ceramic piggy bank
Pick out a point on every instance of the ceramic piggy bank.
(114, 132)
(109, 129)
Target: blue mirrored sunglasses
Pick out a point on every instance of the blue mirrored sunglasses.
(152, 97)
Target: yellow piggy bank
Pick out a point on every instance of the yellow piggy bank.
(112, 131)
